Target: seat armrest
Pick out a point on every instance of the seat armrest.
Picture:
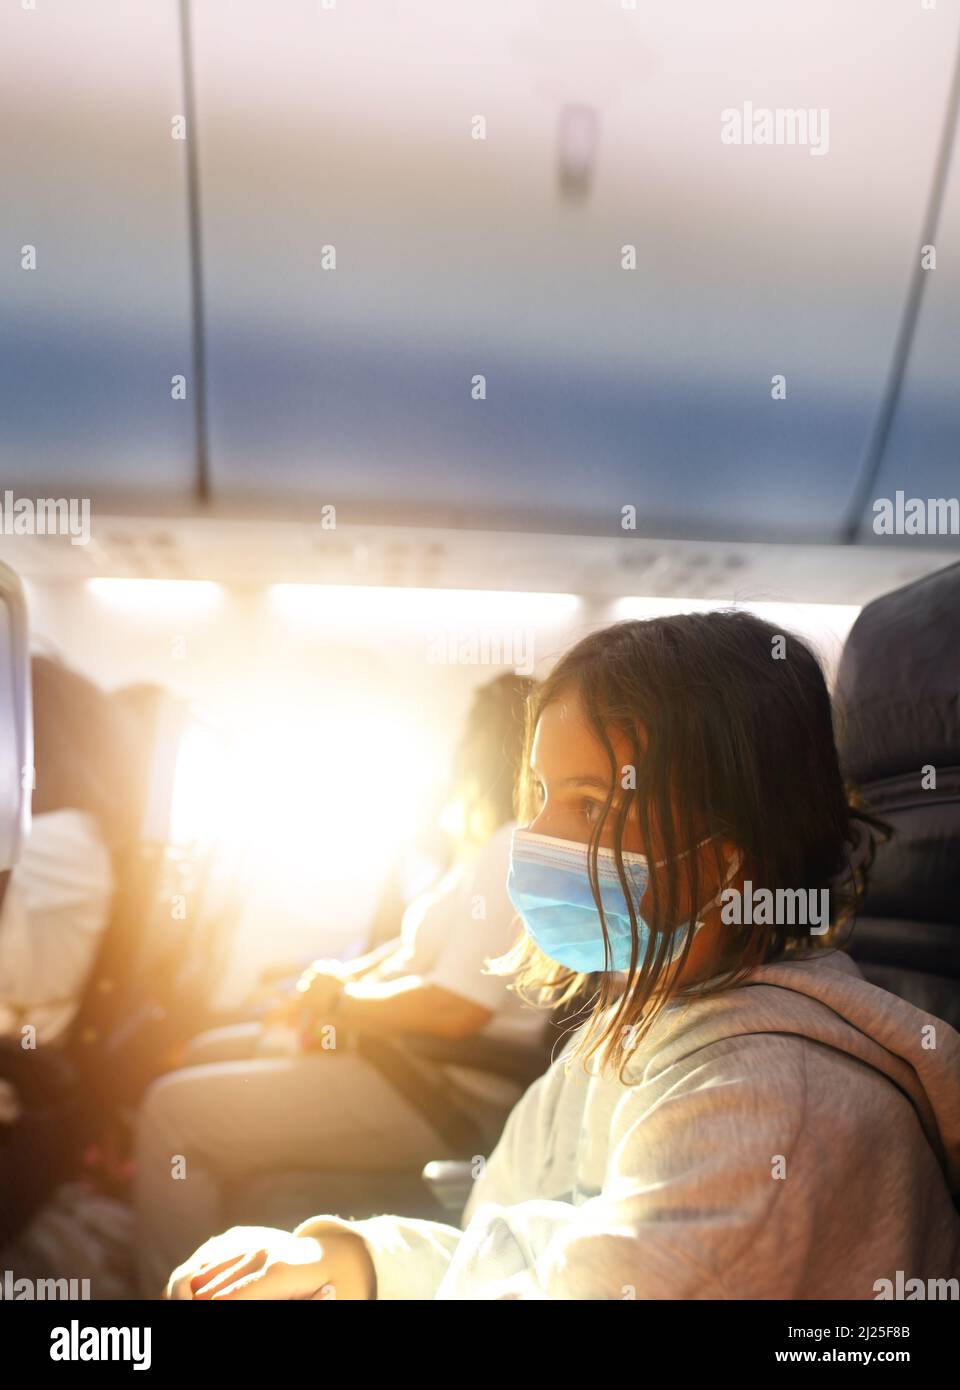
(519, 1062)
(450, 1182)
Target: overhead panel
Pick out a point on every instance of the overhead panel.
(414, 220)
(94, 266)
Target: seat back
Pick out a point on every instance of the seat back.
(164, 947)
(898, 726)
(137, 866)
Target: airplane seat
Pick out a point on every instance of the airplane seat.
(137, 864)
(157, 961)
(898, 715)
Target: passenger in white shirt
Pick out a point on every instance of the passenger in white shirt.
(55, 909)
(237, 1111)
(54, 912)
(59, 896)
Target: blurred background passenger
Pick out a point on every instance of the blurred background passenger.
(59, 898)
(236, 1111)
(55, 910)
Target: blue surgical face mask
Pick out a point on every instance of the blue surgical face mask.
(549, 885)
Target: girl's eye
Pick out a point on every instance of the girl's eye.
(592, 811)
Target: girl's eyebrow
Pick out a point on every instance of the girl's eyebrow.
(598, 782)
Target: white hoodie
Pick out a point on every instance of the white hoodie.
(797, 1137)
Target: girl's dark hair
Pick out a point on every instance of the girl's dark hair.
(488, 755)
(730, 729)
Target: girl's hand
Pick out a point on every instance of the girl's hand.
(260, 1262)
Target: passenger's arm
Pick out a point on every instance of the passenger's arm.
(371, 960)
(322, 1259)
(409, 1005)
(321, 982)
(386, 1258)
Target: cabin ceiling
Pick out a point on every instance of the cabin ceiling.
(351, 128)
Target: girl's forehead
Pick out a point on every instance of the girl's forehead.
(564, 731)
(562, 719)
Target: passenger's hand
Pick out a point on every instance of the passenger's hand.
(260, 1262)
(318, 1007)
(315, 991)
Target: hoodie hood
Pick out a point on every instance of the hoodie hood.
(826, 999)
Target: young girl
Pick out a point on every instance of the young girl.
(742, 1115)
